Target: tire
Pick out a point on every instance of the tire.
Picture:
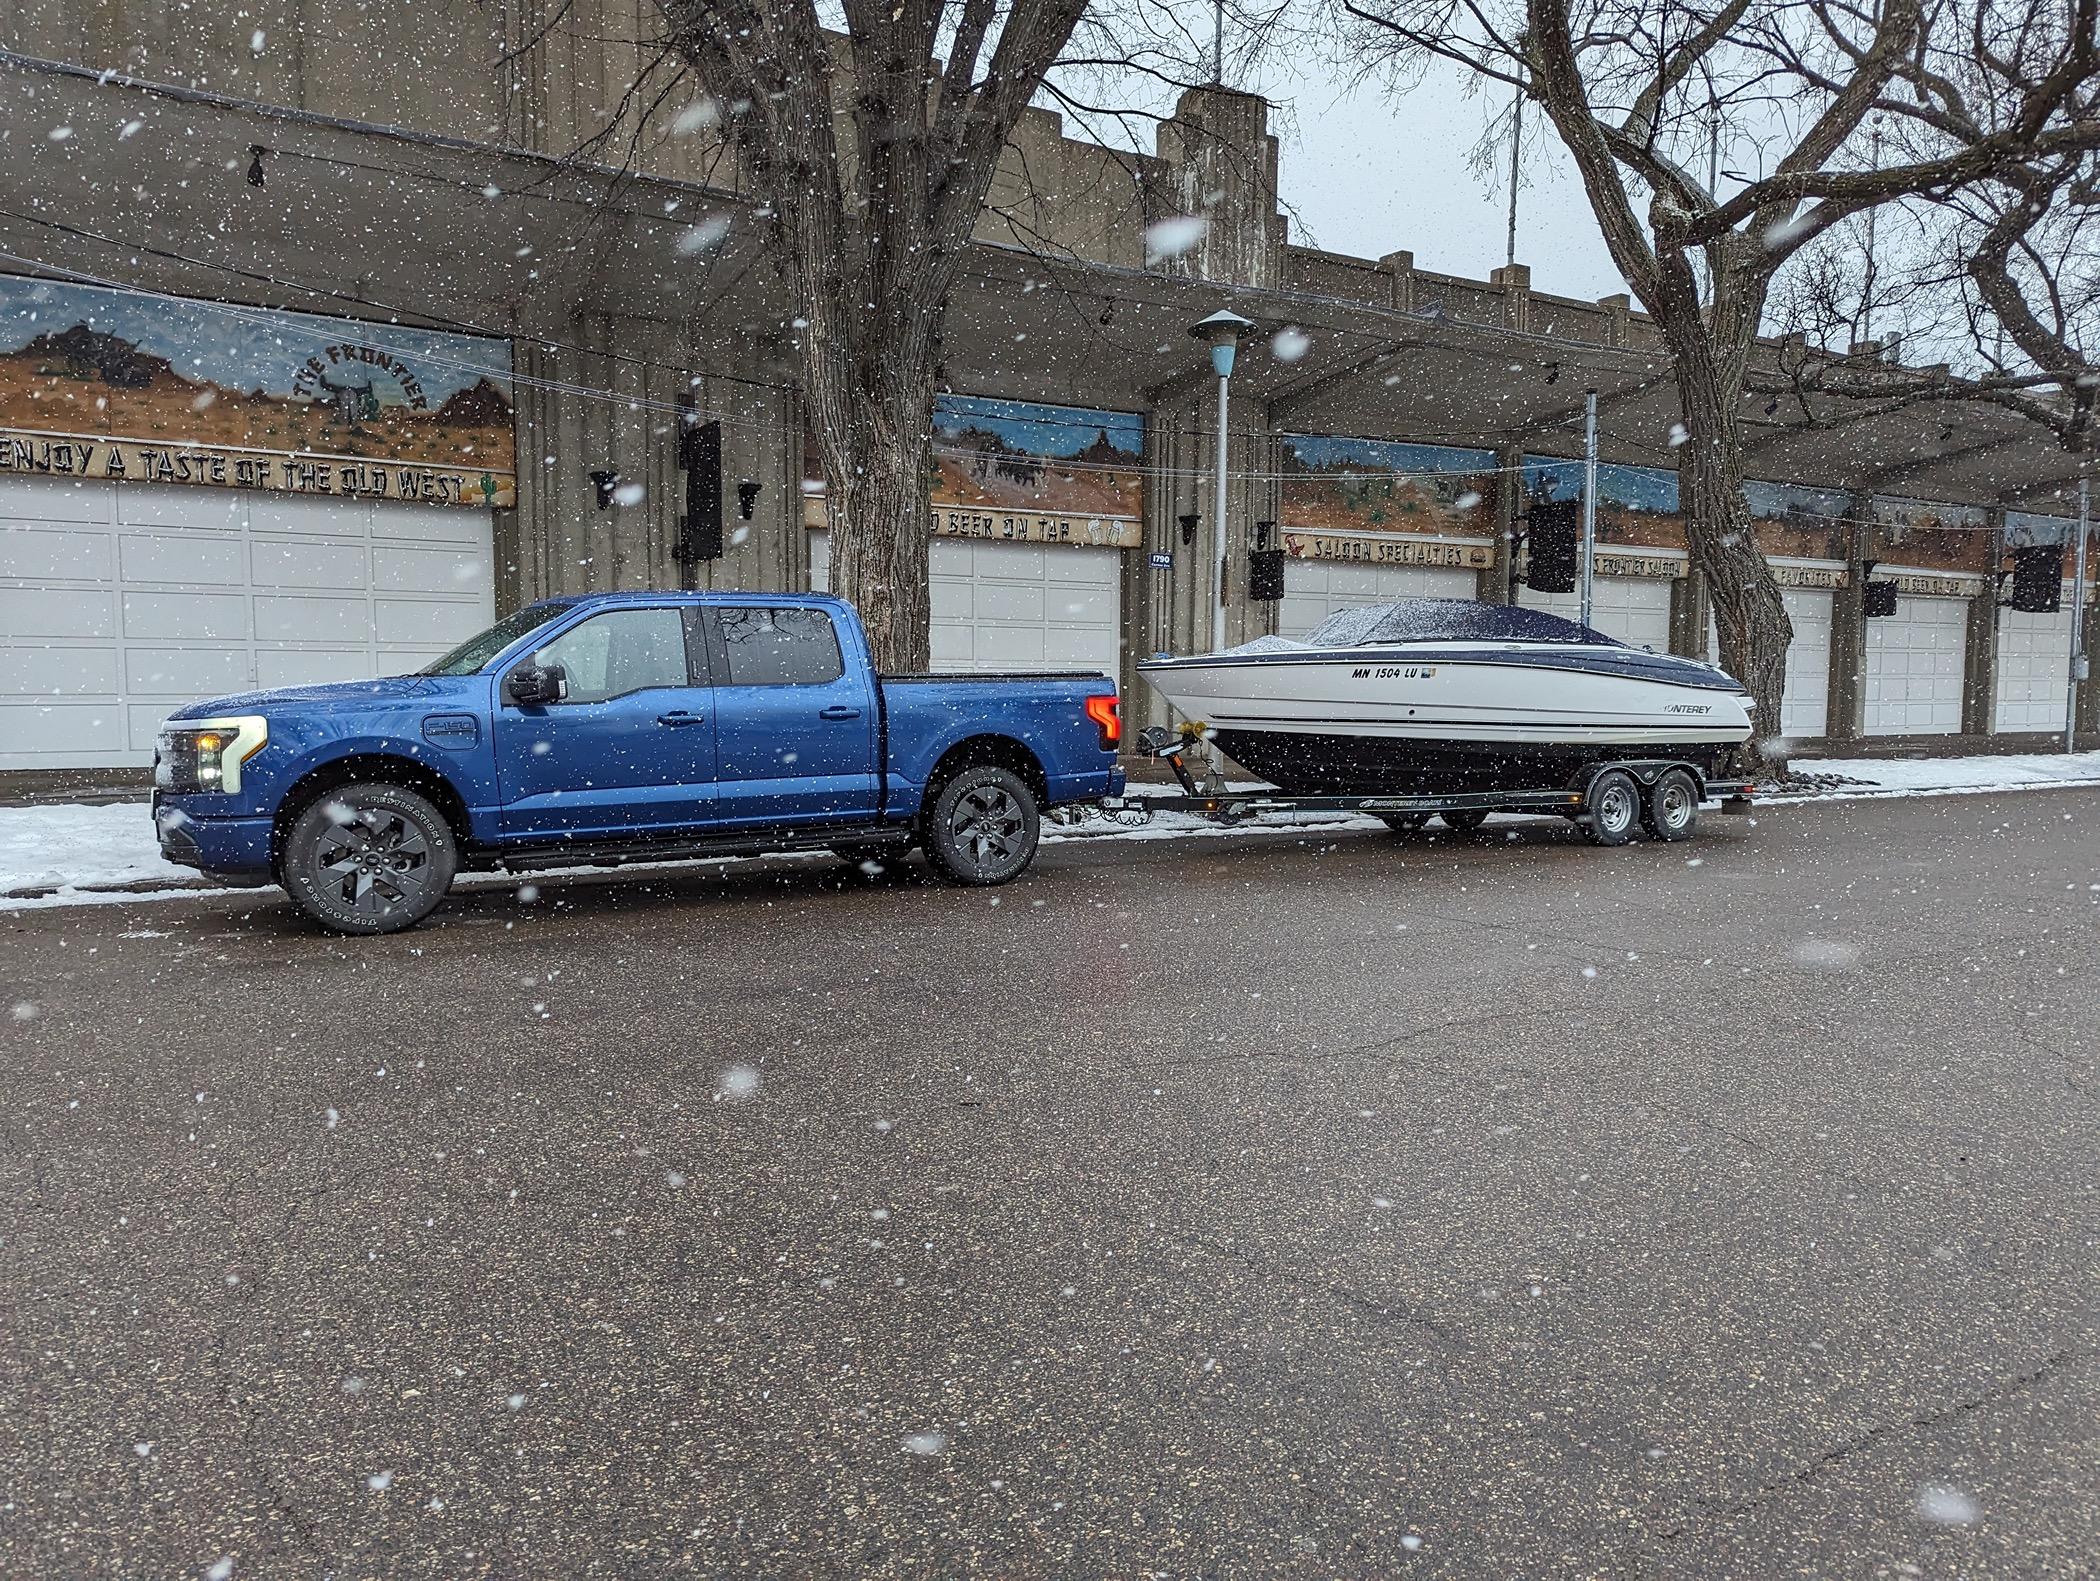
(1463, 821)
(982, 827)
(1614, 808)
(368, 858)
(1672, 811)
(1404, 822)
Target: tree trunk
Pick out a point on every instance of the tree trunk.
(1751, 616)
(874, 435)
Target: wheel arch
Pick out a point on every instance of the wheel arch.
(1006, 752)
(358, 767)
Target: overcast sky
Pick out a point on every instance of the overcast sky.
(1369, 173)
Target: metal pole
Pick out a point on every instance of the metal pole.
(1589, 498)
(1217, 642)
(1516, 144)
(2078, 659)
(1217, 43)
(1866, 294)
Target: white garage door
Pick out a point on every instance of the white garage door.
(1914, 668)
(1315, 589)
(122, 601)
(1805, 713)
(1007, 606)
(2034, 658)
(1633, 609)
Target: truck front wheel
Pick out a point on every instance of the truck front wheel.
(368, 858)
(983, 826)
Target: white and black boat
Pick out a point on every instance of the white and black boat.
(1435, 695)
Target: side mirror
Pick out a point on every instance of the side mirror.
(536, 685)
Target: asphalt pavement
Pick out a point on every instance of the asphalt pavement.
(1306, 1205)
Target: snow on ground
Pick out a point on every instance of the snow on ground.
(72, 847)
(2014, 771)
(59, 855)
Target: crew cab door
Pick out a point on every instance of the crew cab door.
(630, 748)
(794, 722)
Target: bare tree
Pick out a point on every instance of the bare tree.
(1633, 88)
(871, 155)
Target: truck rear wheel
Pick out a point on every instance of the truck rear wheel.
(983, 826)
(368, 858)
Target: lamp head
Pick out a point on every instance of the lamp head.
(1222, 332)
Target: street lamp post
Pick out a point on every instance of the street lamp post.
(1222, 331)
(1589, 499)
(2078, 657)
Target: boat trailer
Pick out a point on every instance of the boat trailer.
(1610, 800)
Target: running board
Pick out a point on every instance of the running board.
(744, 842)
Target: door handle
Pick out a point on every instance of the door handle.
(678, 717)
(839, 711)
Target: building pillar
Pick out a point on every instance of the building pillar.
(1846, 718)
(1515, 283)
(2088, 717)
(1979, 676)
(1217, 160)
(1496, 584)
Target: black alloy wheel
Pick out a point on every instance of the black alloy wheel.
(369, 858)
(983, 826)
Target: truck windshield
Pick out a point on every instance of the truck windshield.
(475, 652)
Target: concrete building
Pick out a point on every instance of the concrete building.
(330, 332)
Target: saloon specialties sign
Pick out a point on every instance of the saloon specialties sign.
(1389, 549)
(141, 388)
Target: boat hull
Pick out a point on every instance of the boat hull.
(1433, 718)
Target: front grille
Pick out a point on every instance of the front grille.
(175, 764)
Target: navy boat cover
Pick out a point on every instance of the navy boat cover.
(1448, 620)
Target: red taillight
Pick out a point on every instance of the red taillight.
(1102, 710)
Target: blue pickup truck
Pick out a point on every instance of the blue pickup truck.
(624, 727)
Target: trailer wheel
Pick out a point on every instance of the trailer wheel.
(1464, 820)
(1403, 822)
(1614, 808)
(1672, 812)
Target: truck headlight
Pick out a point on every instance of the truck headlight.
(207, 754)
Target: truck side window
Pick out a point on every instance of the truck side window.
(780, 647)
(620, 651)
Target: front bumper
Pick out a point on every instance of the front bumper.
(234, 849)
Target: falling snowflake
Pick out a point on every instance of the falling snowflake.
(925, 1443)
(1825, 955)
(1678, 434)
(698, 116)
(1944, 1505)
(1174, 238)
(738, 1083)
(704, 237)
(380, 1481)
(1289, 344)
